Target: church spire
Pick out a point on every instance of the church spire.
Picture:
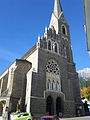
(57, 12)
(57, 8)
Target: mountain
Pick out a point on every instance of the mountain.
(84, 74)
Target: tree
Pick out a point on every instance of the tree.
(85, 90)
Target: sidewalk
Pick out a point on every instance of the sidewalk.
(77, 118)
(0, 118)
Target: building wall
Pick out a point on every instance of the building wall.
(87, 21)
(19, 84)
(28, 90)
(3, 82)
(39, 93)
(33, 58)
(13, 85)
(4, 85)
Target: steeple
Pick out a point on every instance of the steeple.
(57, 12)
(57, 8)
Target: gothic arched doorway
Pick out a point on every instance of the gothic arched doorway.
(58, 106)
(49, 105)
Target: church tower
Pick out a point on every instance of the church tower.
(52, 83)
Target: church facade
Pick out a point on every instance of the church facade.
(45, 78)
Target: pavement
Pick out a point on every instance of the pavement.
(77, 118)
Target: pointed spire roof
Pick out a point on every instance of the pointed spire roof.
(57, 8)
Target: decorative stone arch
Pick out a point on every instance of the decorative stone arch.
(63, 29)
(53, 75)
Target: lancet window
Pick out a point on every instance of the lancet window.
(49, 45)
(63, 30)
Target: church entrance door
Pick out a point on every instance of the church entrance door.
(58, 106)
(49, 105)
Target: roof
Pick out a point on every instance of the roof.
(29, 52)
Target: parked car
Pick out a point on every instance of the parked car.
(22, 116)
(49, 118)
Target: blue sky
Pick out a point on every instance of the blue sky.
(22, 20)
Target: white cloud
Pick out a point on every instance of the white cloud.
(89, 53)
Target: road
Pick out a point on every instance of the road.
(77, 118)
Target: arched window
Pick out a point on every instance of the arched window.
(49, 45)
(49, 85)
(57, 86)
(53, 85)
(55, 47)
(63, 29)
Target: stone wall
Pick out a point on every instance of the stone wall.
(67, 86)
(4, 84)
(19, 84)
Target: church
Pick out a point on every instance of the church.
(45, 78)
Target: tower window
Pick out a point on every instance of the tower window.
(49, 45)
(55, 47)
(63, 29)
